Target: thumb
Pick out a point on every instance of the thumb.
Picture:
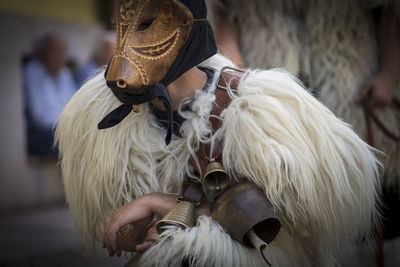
(144, 246)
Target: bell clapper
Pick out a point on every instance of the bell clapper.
(258, 243)
(217, 186)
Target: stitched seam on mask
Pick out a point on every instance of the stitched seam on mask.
(162, 55)
(138, 64)
(124, 6)
(159, 42)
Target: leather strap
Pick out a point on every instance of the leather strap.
(192, 191)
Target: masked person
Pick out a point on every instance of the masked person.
(173, 156)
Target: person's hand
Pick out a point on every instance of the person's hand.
(139, 213)
(128, 242)
(379, 90)
(140, 238)
(151, 238)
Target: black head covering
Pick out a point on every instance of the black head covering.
(199, 46)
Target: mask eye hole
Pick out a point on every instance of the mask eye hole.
(145, 25)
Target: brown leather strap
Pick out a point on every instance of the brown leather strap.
(222, 101)
(370, 115)
(192, 191)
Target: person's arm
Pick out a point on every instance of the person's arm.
(379, 90)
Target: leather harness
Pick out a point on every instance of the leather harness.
(229, 79)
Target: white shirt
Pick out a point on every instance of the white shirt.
(46, 96)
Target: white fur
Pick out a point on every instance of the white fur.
(312, 166)
(104, 169)
(207, 244)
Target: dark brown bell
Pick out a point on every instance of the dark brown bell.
(243, 208)
(216, 178)
(182, 215)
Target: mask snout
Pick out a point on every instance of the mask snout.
(126, 76)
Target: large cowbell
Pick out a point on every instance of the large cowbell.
(150, 34)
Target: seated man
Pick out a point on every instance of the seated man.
(213, 152)
(48, 87)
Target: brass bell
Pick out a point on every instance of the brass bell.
(216, 178)
(182, 215)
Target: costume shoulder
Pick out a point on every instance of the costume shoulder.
(97, 165)
(312, 166)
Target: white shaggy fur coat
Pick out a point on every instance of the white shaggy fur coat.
(320, 176)
(331, 45)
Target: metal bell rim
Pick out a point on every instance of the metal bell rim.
(163, 223)
(220, 169)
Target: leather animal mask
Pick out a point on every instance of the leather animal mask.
(150, 34)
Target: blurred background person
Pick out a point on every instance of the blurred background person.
(347, 52)
(102, 51)
(36, 228)
(48, 85)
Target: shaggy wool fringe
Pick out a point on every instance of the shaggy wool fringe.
(316, 171)
(105, 169)
(331, 45)
(312, 166)
(207, 244)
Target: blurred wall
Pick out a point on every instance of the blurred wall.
(78, 11)
(21, 23)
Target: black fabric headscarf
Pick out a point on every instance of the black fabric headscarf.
(199, 46)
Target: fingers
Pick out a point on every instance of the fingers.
(378, 91)
(368, 95)
(144, 246)
(133, 211)
(151, 238)
(139, 230)
(110, 237)
(152, 234)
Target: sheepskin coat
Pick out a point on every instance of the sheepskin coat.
(318, 174)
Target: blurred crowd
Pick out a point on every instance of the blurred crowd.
(50, 80)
